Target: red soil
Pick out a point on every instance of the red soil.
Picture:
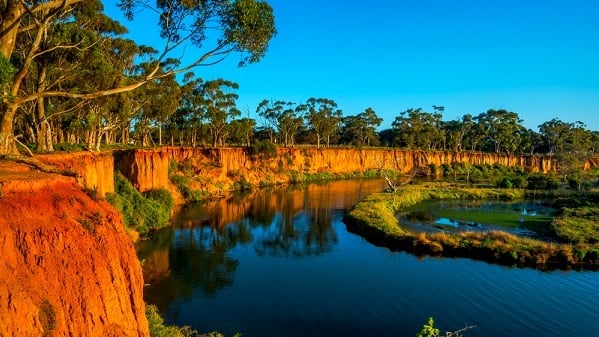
(67, 267)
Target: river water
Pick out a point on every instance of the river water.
(281, 263)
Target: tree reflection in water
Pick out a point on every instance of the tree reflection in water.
(290, 222)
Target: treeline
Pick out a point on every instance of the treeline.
(71, 78)
(197, 113)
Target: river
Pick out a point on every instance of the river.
(280, 262)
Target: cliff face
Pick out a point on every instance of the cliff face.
(95, 170)
(219, 169)
(67, 267)
(145, 169)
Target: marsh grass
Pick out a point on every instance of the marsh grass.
(578, 225)
(505, 219)
(374, 217)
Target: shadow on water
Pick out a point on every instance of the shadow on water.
(292, 222)
(281, 262)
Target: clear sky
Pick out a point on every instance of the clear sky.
(539, 58)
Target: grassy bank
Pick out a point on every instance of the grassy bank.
(375, 219)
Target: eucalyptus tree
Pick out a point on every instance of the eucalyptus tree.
(190, 116)
(269, 111)
(75, 55)
(594, 142)
(217, 28)
(290, 122)
(576, 151)
(371, 121)
(360, 130)
(501, 129)
(242, 130)
(530, 141)
(456, 132)
(219, 104)
(417, 129)
(156, 102)
(555, 133)
(476, 135)
(323, 118)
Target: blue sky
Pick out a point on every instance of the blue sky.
(537, 58)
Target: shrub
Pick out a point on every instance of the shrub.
(140, 212)
(264, 148)
(183, 185)
(172, 166)
(541, 182)
(504, 183)
(518, 181)
(65, 147)
(162, 196)
(429, 329)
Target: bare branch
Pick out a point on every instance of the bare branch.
(63, 47)
(458, 333)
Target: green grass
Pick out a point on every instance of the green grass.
(375, 218)
(505, 219)
(578, 225)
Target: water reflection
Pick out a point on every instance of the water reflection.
(524, 218)
(294, 221)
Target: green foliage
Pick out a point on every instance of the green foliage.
(65, 147)
(375, 211)
(7, 71)
(173, 166)
(162, 196)
(375, 217)
(183, 184)
(518, 181)
(249, 25)
(578, 225)
(504, 183)
(434, 169)
(429, 329)
(241, 183)
(159, 329)
(265, 148)
(140, 212)
(512, 182)
(541, 182)
(323, 118)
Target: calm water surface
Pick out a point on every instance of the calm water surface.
(281, 263)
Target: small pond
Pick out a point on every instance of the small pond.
(530, 218)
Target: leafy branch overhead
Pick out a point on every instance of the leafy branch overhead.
(57, 51)
(220, 27)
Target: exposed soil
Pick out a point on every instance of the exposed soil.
(67, 267)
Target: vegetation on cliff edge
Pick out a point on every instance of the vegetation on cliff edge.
(141, 212)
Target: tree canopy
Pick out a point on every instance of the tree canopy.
(69, 50)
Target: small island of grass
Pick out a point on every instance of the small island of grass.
(574, 231)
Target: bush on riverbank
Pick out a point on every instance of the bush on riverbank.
(159, 329)
(141, 212)
(374, 218)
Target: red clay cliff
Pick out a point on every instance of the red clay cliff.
(67, 267)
